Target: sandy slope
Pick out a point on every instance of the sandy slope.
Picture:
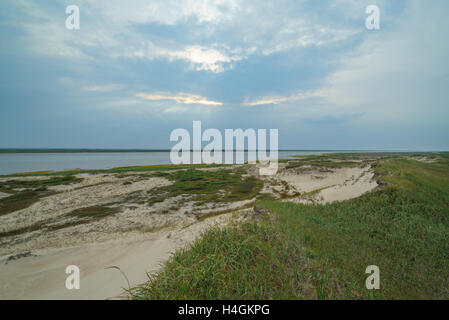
(43, 276)
(311, 185)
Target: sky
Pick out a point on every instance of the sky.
(136, 70)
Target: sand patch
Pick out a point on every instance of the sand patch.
(54, 210)
(351, 188)
(310, 184)
(24, 178)
(4, 195)
(43, 276)
(423, 159)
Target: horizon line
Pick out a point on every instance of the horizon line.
(124, 150)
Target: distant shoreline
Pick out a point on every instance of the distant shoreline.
(65, 150)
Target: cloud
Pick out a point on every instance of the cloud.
(180, 98)
(397, 73)
(175, 109)
(265, 102)
(295, 97)
(312, 63)
(204, 59)
(103, 88)
(169, 12)
(301, 36)
(200, 58)
(114, 29)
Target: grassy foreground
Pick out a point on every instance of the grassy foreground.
(322, 251)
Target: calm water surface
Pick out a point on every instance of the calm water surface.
(28, 162)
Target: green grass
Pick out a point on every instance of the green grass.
(94, 212)
(218, 186)
(322, 251)
(322, 163)
(34, 190)
(117, 170)
(53, 181)
(21, 200)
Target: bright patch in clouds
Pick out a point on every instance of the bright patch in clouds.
(180, 98)
(202, 58)
(295, 97)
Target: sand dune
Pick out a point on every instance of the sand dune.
(139, 238)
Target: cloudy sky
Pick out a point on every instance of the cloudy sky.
(138, 69)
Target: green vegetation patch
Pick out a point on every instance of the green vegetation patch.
(218, 185)
(80, 216)
(322, 251)
(83, 216)
(322, 163)
(94, 212)
(118, 170)
(34, 190)
(31, 184)
(21, 200)
(18, 231)
(254, 260)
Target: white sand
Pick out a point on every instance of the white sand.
(313, 185)
(43, 276)
(4, 195)
(335, 185)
